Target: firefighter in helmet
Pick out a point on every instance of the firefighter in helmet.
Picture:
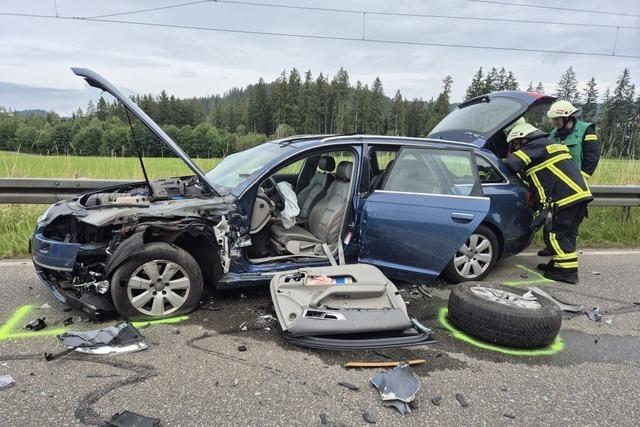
(561, 192)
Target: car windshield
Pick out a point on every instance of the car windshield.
(483, 117)
(237, 167)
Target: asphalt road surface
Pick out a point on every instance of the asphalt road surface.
(193, 374)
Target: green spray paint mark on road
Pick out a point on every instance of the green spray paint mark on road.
(7, 330)
(555, 347)
(538, 279)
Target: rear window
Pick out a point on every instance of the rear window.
(432, 171)
(483, 118)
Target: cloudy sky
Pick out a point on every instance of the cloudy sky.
(36, 53)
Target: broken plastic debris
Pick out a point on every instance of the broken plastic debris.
(242, 348)
(424, 291)
(6, 381)
(461, 400)
(437, 400)
(349, 385)
(323, 418)
(568, 307)
(594, 314)
(45, 305)
(397, 387)
(608, 322)
(235, 382)
(382, 364)
(368, 417)
(120, 334)
(596, 273)
(131, 419)
(113, 349)
(36, 325)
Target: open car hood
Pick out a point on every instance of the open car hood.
(96, 80)
(482, 120)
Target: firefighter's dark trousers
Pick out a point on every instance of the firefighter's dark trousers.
(562, 237)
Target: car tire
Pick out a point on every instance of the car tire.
(474, 309)
(475, 259)
(163, 280)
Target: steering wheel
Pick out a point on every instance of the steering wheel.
(270, 188)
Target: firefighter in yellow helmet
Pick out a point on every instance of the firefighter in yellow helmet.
(561, 193)
(579, 136)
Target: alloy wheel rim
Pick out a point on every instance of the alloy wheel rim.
(158, 288)
(527, 300)
(474, 257)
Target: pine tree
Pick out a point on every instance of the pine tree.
(491, 81)
(397, 114)
(376, 116)
(501, 79)
(590, 106)
(279, 99)
(530, 87)
(539, 88)
(568, 87)
(440, 107)
(477, 86)
(322, 104)
(510, 82)
(258, 109)
(619, 121)
(294, 115)
(307, 104)
(340, 96)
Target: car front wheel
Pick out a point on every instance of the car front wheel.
(161, 281)
(475, 258)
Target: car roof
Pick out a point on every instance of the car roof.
(528, 98)
(311, 141)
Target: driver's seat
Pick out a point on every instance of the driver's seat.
(325, 219)
(309, 196)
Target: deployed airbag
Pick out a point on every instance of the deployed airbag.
(291, 209)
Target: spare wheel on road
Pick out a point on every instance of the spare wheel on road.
(504, 315)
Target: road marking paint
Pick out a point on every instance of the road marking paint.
(538, 279)
(555, 347)
(7, 330)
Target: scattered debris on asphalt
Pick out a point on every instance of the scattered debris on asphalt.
(397, 387)
(608, 322)
(424, 290)
(594, 314)
(349, 385)
(68, 321)
(176, 331)
(596, 273)
(461, 400)
(6, 381)
(45, 306)
(510, 416)
(67, 309)
(368, 417)
(524, 275)
(568, 307)
(116, 339)
(382, 364)
(235, 382)
(323, 418)
(131, 419)
(102, 375)
(242, 348)
(437, 399)
(36, 325)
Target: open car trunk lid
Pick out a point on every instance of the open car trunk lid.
(481, 121)
(344, 307)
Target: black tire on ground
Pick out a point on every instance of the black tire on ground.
(452, 275)
(157, 252)
(503, 324)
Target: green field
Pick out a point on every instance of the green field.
(603, 228)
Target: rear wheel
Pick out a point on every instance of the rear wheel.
(475, 258)
(161, 281)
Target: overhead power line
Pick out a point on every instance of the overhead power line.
(567, 9)
(319, 37)
(367, 12)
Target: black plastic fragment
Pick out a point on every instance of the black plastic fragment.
(368, 417)
(36, 325)
(349, 385)
(131, 419)
(120, 334)
(53, 356)
(461, 400)
(242, 348)
(323, 418)
(437, 399)
(68, 321)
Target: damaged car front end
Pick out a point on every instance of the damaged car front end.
(80, 244)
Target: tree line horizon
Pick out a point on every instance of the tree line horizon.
(218, 125)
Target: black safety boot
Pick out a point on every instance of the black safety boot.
(562, 276)
(547, 266)
(545, 252)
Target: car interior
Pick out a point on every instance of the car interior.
(318, 189)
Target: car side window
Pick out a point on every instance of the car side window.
(487, 172)
(432, 171)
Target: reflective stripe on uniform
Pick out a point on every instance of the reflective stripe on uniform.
(566, 256)
(543, 165)
(564, 178)
(555, 245)
(573, 264)
(522, 156)
(581, 195)
(591, 137)
(540, 188)
(585, 175)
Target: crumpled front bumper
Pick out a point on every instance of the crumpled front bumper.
(54, 260)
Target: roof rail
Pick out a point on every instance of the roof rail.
(397, 138)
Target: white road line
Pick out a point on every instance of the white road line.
(15, 262)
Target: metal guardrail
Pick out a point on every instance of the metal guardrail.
(47, 191)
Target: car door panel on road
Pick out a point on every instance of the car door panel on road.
(429, 205)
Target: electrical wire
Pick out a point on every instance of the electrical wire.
(368, 12)
(319, 37)
(567, 9)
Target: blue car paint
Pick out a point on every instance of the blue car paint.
(413, 236)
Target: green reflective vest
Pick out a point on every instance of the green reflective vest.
(573, 141)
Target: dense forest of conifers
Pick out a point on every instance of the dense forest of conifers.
(215, 126)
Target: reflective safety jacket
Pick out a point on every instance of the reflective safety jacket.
(582, 141)
(551, 172)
